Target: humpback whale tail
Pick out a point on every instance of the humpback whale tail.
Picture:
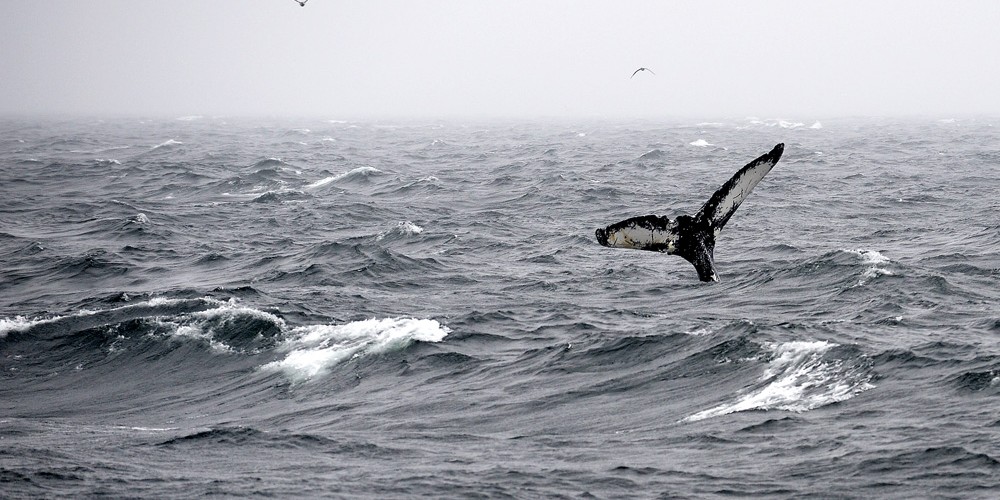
(692, 237)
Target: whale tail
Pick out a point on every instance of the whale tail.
(692, 238)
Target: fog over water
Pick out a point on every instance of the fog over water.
(514, 59)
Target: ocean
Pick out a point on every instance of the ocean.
(397, 309)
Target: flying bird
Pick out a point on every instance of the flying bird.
(301, 3)
(636, 71)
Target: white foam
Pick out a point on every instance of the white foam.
(405, 228)
(356, 171)
(816, 125)
(699, 332)
(775, 122)
(874, 263)
(167, 143)
(312, 350)
(231, 309)
(21, 324)
(797, 379)
(701, 143)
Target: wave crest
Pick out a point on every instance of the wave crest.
(801, 376)
(312, 350)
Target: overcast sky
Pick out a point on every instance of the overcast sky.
(524, 58)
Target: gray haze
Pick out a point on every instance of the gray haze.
(441, 58)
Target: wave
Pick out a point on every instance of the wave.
(405, 228)
(225, 327)
(166, 144)
(281, 196)
(701, 143)
(978, 380)
(99, 150)
(801, 376)
(777, 122)
(357, 173)
(654, 154)
(855, 267)
(270, 163)
(86, 319)
(312, 350)
(874, 263)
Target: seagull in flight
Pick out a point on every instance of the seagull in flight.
(633, 74)
(301, 3)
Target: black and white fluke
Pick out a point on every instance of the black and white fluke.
(692, 237)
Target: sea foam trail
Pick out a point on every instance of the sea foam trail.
(798, 378)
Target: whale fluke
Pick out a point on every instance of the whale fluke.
(692, 237)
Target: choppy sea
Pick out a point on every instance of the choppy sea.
(323, 308)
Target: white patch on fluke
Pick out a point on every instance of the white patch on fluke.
(639, 237)
(797, 379)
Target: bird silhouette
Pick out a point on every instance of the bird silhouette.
(302, 3)
(638, 70)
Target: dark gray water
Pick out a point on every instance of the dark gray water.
(289, 308)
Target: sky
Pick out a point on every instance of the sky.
(500, 58)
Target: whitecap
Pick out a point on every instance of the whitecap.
(206, 325)
(140, 219)
(874, 263)
(405, 228)
(360, 171)
(701, 143)
(21, 324)
(313, 350)
(816, 125)
(798, 378)
(167, 143)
